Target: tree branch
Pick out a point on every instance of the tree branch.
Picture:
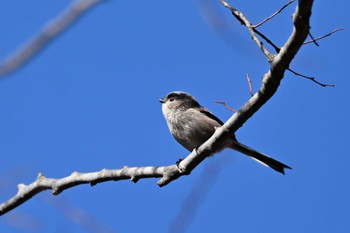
(243, 20)
(273, 77)
(271, 81)
(48, 33)
(311, 78)
(273, 15)
(321, 37)
(25, 192)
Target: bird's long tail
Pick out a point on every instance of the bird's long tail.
(259, 157)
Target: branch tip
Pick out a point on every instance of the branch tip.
(324, 36)
(311, 78)
(273, 15)
(250, 84)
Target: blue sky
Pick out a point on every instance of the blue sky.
(89, 101)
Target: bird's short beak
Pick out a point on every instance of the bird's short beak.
(162, 101)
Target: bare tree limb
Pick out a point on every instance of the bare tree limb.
(271, 80)
(273, 77)
(48, 33)
(25, 192)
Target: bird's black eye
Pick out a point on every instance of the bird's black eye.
(171, 99)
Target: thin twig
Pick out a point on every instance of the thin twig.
(311, 78)
(321, 37)
(273, 15)
(227, 106)
(313, 39)
(250, 84)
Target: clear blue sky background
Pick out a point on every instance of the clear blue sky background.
(89, 101)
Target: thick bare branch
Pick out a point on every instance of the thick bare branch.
(25, 192)
(271, 80)
(48, 33)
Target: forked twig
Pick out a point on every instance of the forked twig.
(273, 15)
(244, 21)
(311, 78)
(321, 37)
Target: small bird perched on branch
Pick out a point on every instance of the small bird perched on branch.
(191, 125)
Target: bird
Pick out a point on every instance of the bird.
(192, 124)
